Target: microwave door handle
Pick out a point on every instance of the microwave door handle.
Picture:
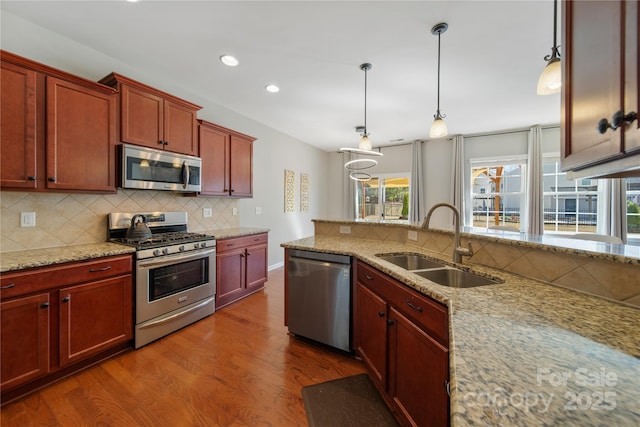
(185, 174)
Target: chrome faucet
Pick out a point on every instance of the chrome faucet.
(458, 251)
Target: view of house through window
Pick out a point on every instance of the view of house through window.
(569, 205)
(384, 197)
(497, 194)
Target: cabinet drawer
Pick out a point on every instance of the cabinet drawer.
(241, 242)
(24, 282)
(419, 308)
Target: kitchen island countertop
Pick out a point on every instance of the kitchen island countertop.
(524, 352)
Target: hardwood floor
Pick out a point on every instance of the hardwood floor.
(238, 367)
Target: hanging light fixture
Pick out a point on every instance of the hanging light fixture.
(439, 127)
(550, 80)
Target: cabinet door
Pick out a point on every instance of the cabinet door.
(80, 138)
(418, 369)
(141, 117)
(180, 129)
(370, 332)
(18, 130)
(594, 81)
(230, 276)
(256, 266)
(632, 75)
(24, 340)
(241, 167)
(106, 306)
(214, 151)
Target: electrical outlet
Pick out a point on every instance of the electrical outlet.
(412, 235)
(27, 219)
(258, 211)
(235, 211)
(207, 213)
(345, 229)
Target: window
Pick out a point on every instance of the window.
(384, 197)
(569, 205)
(497, 193)
(633, 208)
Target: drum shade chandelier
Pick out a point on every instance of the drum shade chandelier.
(550, 80)
(364, 147)
(439, 127)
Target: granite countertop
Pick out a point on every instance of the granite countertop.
(524, 352)
(32, 258)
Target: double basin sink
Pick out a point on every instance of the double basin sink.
(437, 271)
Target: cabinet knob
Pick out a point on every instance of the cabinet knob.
(52, 179)
(390, 322)
(67, 298)
(31, 178)
(44, 305)
(381, 313)
(166, 142)
(161, 142)
(617, 120)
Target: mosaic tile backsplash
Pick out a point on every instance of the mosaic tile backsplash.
(589, 274)
(66, 219)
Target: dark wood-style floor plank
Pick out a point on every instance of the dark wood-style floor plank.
(238, 367)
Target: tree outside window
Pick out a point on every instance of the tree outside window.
(384, 197)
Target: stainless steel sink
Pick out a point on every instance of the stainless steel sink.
(411, 261)
(456, 278)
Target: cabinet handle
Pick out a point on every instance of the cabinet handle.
(9, 286)
(44, 305)
(52, 179)
(390, 322)
(618, 119)
(368, 277)
(95, 270)
(415, 307)
(381, 313)
(31, 178)
(67, 298)
(447, 387)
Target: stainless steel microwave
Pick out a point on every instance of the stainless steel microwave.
(146, 168)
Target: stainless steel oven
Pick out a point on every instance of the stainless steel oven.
(175, 273)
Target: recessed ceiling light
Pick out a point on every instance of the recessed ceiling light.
(272, 88)
(229, 60)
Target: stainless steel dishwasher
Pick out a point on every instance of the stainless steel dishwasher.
(319, 297)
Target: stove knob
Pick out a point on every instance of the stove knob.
(196, 245)
(182, 248)
(157, 252)
(203, 244)
(165, 251)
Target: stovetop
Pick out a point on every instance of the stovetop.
(164, 239)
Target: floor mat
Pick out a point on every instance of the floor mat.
(346, 402)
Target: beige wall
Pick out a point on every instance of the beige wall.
(589, 274)
(65, 219)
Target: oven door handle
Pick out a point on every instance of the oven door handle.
(173, 316)
(171, 259)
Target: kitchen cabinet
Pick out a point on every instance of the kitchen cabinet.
(241, 267)
(58, 319)
(155, 119)
(600, 97)
(58, 130)
(227, 161)
(402, 337)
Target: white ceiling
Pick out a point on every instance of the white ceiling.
(492, 55)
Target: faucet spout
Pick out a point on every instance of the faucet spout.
(458, 251)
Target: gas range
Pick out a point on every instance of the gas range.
(169, 234)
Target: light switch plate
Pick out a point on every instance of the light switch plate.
(27, 219)
(235, 211)
(412, 235)
(345, 229)
(258, 211)
(207, 213)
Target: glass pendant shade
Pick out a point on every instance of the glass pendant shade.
(438, 128)
(550, 80)
(365, 143)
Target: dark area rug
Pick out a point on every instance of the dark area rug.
(346, 402)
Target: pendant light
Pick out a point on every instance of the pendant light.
(439, 127)
(550, 80)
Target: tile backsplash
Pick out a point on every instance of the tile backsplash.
(66, 219)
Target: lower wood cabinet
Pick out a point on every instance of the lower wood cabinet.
(241, 267)
(60, 317)
(402, 337)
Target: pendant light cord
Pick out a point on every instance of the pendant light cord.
(438, 109)
(365, 102)
(555, 52)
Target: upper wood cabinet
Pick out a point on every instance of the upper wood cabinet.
(58, 130)
(155, 119)
(600, 134)
(227, 161)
